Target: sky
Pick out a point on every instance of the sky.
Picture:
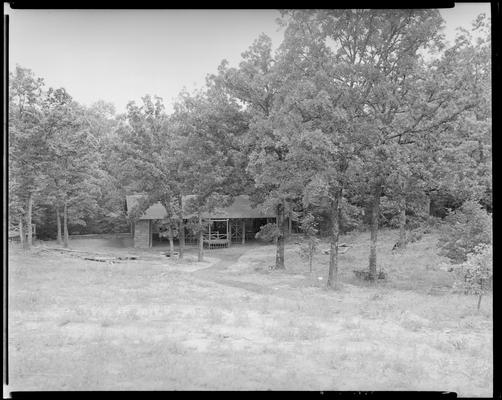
(121, 55)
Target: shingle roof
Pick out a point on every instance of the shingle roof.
(240, 208)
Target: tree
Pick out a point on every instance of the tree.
(26, 145)
(71, 161)
(210, 128)
(309, 229)
(406, 186)
(315, 113)
(475, 274)
(150, 162)
(462, 162)
(464, 229)
(254, 85)
(398, 94)
(103, 125)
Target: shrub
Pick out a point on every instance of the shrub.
(415, 235)
(268, 232)
(365, 275)
(464, 229)
(389, 213)
(431, 224)
(351, 216)
(474, 275)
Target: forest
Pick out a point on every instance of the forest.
(360, 120)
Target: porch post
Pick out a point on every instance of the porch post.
(243, 231)
(150, 233)
(209, 238)
(229, 236)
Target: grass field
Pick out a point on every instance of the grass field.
(231, 323)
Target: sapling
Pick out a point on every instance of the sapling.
(311, 244)
(475, 274)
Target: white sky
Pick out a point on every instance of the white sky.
(121, 55)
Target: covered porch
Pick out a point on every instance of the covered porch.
(225, 232)
(237, 223)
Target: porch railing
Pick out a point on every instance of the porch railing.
(215, 239)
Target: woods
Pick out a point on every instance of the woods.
(366, 117)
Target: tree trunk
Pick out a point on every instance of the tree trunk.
(58, 222)
(335, 234)
(181, 229)
(201, 241)
(65, 224)
(375, 213)
(21, 233)
(427, 207)
(479, 300)
(402, 223)
(171, 241)
(311, 257)
(29, 206)
(279, 256)
(181, 236)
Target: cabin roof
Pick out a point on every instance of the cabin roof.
(240, 208)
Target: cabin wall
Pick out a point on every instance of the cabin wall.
(143, 233)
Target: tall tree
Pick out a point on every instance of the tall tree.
(150, 161)
(210, 128)
(316, 115)
(397, 95)
(462, 153)
(255, 84)
(103, 125)
(26, 144)
(71, 160)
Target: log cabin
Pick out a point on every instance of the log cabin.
(237, 223)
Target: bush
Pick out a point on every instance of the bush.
(431, 224)
(351, 217)
(474, 275)
(463, 230)
(415, 220)
(268, 232)
(389, 213)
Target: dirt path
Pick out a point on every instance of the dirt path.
(232, 270)
(227, 258)
(219, 271)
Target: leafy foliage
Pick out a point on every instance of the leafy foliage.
(465, 229)
(358, 118)
(474, 276)
(311, 243)
(268, 232)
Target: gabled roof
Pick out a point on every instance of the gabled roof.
(155, 211)
(240, 208)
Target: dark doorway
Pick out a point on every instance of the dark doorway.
(253, 227)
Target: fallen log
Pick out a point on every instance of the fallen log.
(101, 259)
(86, 255)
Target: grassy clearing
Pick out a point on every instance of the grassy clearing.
(157, 324)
